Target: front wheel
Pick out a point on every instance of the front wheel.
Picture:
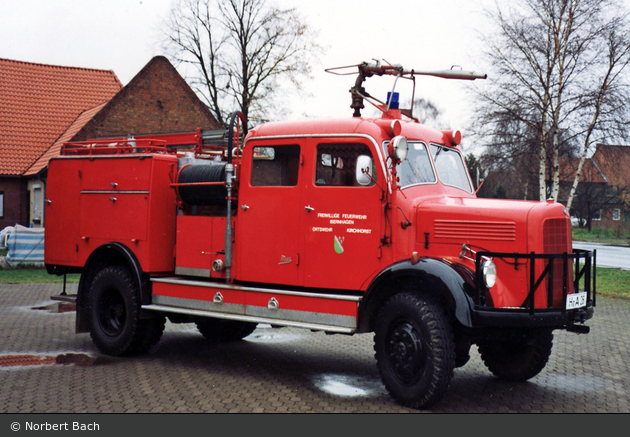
(518, 354)
(415, 350)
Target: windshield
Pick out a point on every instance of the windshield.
(450, 167)
(417, 168)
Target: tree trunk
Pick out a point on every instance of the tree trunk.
(542, 172)
(555, 168)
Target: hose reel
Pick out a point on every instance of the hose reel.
(194, 189)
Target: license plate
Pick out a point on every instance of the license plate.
(576, 300)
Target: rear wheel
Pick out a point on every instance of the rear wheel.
(114, 314)
(415, 351)
(218, 330)
(518, 354)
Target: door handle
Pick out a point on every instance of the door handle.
(309, 208)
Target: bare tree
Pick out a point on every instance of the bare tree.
(241, 53)
(558, 77)
(427, 113)
(607, 101)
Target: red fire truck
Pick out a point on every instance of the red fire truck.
(346, 226)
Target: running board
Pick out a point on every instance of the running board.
(245, 318)
(318, 311)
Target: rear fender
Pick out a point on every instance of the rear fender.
(110, 254)
(443, 282)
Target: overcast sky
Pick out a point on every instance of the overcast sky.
(123, 35)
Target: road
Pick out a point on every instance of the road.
(280, 370)
(608, 256)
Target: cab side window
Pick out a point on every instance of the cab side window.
(336, 164)
(275, 166)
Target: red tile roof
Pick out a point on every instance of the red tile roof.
(614, 162)
(75, 127)
(38, 103)
(590, 171)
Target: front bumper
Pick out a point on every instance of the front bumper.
(521, 318)
(584, 279)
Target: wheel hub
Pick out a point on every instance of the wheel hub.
(112, 317)
(406, 352)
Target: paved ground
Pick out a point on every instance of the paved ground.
(279, 370)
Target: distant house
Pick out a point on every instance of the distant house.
(614, 163)
(156, 100)
(37, 105)
(603, 194)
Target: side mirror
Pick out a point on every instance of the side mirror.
(364, 170)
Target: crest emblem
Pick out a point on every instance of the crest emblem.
(339, 244)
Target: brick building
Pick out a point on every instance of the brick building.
(603, 194)
(156, 100)
(614, 163)
(37, 104)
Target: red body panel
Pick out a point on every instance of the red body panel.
(268, 225)
(91, 202)
(200, 242)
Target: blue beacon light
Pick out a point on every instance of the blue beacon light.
(392, 100)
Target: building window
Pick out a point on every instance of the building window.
(38, 204)
(1, 204)
(616, 214)
(597, 215)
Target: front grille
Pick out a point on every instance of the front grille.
(557, 235)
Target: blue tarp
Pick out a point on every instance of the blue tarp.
(25, 245)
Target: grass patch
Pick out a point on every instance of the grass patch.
(616, 237)
(20, 275)
(613, 283)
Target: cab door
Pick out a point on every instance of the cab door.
(268, 222)
(342, 216)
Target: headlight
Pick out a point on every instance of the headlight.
(398, 149)
(489, 273)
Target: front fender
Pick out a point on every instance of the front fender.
(450, 284)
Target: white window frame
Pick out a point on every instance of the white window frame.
(616, 214)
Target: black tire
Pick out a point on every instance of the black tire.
(415, 351)
(114, 314)
(518, 354)
(149, 332)
(218, 330)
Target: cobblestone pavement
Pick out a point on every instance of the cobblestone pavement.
(46, 368)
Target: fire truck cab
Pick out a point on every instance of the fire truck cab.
(347, 226)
